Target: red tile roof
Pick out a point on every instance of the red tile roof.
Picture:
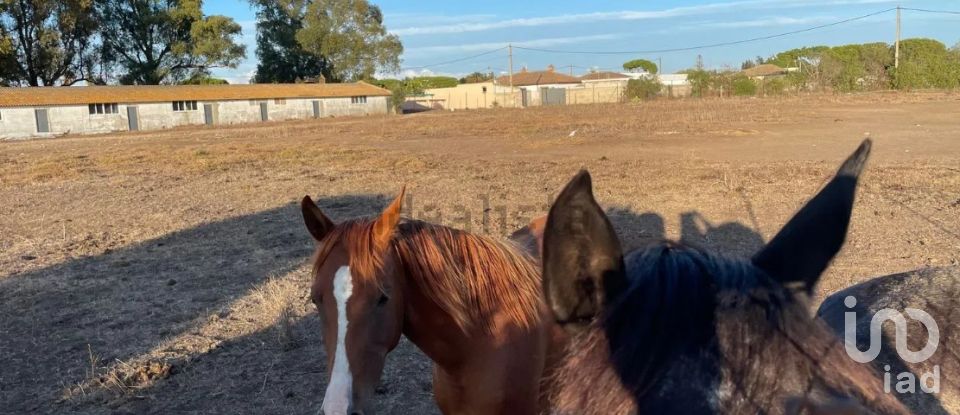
(537, 78)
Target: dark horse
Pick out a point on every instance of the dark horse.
(672, 329)
(473, 305)
(929, 384)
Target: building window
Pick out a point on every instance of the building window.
(358, 100)
(184, 106)
(280, 101)
(108, 108)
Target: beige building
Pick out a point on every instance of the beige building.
(464, 96)
(49, 111)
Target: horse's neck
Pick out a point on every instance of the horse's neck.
(433, 330)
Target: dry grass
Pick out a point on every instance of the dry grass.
(276, 297)
(164, 272)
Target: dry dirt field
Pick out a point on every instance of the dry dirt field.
(165, 272)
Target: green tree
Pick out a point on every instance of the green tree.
(427, 82)
(643, 64)
(203, 79)
(926, 63)
(47, 42)
(643, 88)
(476, 77)
(699, 80)
(167, 41)
(741, 85)
(350, 35)
(281, 58)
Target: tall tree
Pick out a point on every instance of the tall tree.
(350, 35)
(281, 58)
(167, 41)
(640, 64)
(46, 42)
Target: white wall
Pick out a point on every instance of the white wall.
(20, 122)
(17, 123)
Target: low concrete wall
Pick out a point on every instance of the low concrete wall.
(21, 122)
(596, 94)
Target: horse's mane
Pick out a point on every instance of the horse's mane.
(683, 302)
(474, 279)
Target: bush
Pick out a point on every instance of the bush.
(398, 95)
(743, 86)
(775, 86)
(643, 88)
(699, 81)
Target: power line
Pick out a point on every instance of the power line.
(713, 45)
(929, 10)
(455, 60)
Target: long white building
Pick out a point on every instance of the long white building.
(47, 111)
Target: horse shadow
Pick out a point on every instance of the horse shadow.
(123, 303)
(637, 230)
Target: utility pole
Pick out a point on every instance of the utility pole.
(699, 62)
(896, 48)
(510, 54)
(659, 64)
(571, 69)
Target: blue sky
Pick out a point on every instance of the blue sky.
(438, 31)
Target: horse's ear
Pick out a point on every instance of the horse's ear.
(317, 223)
(582, 260)
(803, 249)
(387, 222)
(530, 237)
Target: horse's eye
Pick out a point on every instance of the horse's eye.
(382, 300)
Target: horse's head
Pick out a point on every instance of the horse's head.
(358, 294)
(674, 329)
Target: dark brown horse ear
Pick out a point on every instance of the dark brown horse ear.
(387, 222)
(803, 249)
(582, 260)
(317, 223)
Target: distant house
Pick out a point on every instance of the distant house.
(549, 78)
(540, 87)
(766, 70)
(44, 111)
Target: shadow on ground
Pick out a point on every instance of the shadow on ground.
(124, 303)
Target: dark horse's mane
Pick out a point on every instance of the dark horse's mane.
(702, 322)
(470, 277)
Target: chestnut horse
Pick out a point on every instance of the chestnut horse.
(472, 304)
(673, 329)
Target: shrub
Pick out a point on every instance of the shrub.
(743, 86)
(643, 88)
(775, 86)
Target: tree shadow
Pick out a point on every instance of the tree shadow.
(123, 303)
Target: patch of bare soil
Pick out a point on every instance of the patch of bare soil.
(165, 271)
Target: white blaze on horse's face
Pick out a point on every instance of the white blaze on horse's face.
(339, 395)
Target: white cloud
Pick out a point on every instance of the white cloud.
(406, 19)
(533, 43)
(771, 21)
(438, 27)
